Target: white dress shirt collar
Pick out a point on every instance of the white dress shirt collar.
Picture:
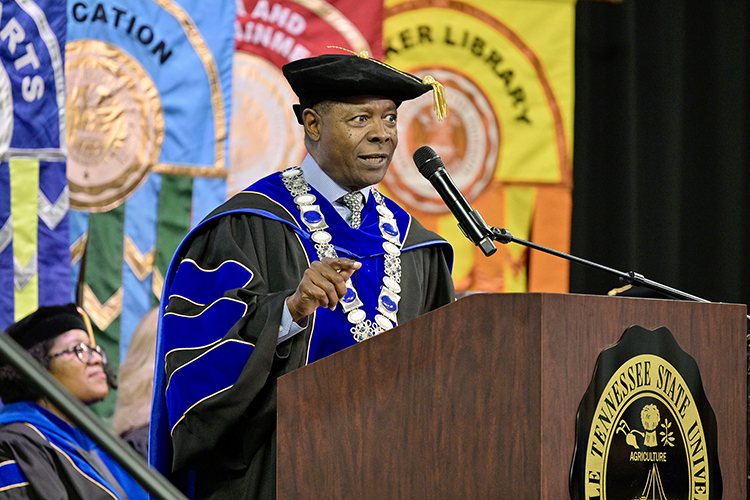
(326, 186)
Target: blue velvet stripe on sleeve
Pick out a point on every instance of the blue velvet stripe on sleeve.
(11, 476)
(202, 332)
(203, 286)
(190, 384)
(203, 329)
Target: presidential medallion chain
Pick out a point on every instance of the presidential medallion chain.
(362, 328)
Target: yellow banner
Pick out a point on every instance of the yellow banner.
(24, 207)
(507, 67)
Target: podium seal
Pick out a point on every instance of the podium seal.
(645, 429)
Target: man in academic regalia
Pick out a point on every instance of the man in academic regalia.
(301, 264)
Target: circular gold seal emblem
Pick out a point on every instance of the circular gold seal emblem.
(468, 142)
(115, 124)
(645, 429)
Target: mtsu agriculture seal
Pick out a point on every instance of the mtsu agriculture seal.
(644, 429)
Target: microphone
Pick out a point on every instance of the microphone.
(431, 167)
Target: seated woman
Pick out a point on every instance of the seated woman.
(42, 454)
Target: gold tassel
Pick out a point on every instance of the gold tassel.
(89, 328)
(438, 96)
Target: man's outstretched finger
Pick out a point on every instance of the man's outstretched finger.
(338, 271)
(323, 285)
(341, 264)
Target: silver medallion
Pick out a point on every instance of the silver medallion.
(356, 316)
(291, 172)
(321, 236)
(392, 284)
(384, 211)
(305, 199)
(391, 248)
(312, 217)
(383, 322)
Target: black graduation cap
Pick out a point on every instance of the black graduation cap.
(330, 77)
(46, 323)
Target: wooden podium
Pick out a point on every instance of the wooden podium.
(478, 399)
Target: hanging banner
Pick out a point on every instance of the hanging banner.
(34, 256)
(507, 68)
(265, 135)
(148, 89)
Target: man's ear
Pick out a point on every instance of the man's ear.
(312, 121)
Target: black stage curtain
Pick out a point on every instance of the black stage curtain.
(662, 145)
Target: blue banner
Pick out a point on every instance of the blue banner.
(34, 203)
(30, 49)
(149, 87)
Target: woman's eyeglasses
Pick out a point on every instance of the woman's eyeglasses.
(84, 353)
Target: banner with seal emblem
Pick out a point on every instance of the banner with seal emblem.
(148, 90)
(34, 254)
(264, 134)
(507, 69)
(645, 428)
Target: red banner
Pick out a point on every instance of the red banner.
(264, 134)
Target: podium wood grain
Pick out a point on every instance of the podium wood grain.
(478, 399)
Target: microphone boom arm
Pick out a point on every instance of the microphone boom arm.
(631, 277)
